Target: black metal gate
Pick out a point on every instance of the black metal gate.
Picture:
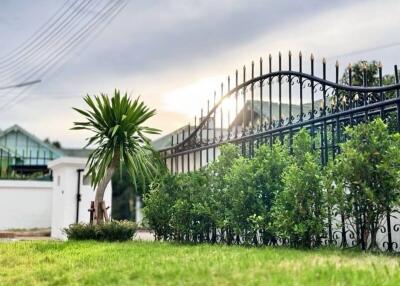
(304, 100)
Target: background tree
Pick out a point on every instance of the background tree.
(372, 71)
(119, 136)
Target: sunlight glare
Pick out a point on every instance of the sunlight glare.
(189, 99)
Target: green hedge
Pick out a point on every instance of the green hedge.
(281, 194)
(108, 231)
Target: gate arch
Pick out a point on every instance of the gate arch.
(275, 104)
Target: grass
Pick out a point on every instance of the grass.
(147, 263)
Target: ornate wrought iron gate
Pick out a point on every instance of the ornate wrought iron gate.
(274, 105)
(304, 100)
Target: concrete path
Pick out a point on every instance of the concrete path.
(144, 235)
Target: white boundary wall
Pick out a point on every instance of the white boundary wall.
(28, 204)
(25, 204)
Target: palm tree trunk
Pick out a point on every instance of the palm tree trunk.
(101, 188)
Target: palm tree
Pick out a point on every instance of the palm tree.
(119, 136)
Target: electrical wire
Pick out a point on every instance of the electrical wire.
(105, 17)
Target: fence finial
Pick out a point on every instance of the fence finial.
(364, 67)
(379, 64)
(300, 54)
(349, 66)
(290, 53)
(337, 63)
(270, 56)
(312, 57)
(323, 60)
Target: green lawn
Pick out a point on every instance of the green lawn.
(146, 263)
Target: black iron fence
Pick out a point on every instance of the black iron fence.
(275, 104)
(325, 107)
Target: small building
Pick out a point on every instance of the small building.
(42, 185)
(23, 155)
(257, 113)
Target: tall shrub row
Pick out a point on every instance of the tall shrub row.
(281, 196)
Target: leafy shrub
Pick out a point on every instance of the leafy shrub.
(158, 203)
(298, 213)
(366, 178)
(268, 166)
(107, 231)
(282, 194)
(220, 197)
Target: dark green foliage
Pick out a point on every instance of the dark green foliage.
(298, 213)
(158, 205)
(109, 231)
(123, 195)
(367, 176)
(119, 136)
(281, 197)
(372, 73)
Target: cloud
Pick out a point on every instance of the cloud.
(161, 48)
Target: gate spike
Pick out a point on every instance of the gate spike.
(364, 67)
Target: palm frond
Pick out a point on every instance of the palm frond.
(116, 124)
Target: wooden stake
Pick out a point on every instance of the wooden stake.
(104, 209)
(91, 211)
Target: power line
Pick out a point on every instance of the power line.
(21, 84)
(363, 51)
(99, 16)
(48, 24)
(75, 38)
(110, 14)
(27, 45)
(17, 64)
(33, 69)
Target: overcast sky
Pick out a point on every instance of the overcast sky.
(174, 53)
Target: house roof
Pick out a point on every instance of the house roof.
(265, 110)
(70, 152)
(17, 128)
(165, 140)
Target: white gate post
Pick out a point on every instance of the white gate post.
(65, 203)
